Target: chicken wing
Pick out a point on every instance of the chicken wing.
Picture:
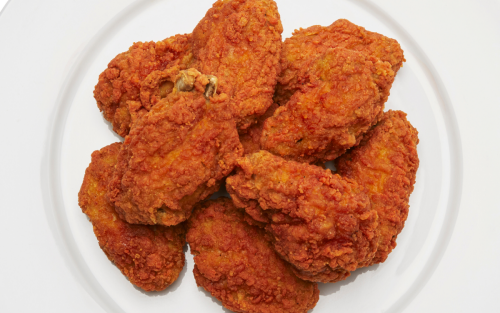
(385, 163)
(307, 44)
(343, 99)
(239, 41)
(150, 256)
(140, 70)
(176, 154)
(236, 263)
(319, 222)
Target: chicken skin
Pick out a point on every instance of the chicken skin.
(176, 154)
(250, 139)
(344, 97)
(385, 163)
(138, 73)
(321, 223)
(305, 45)
(239, 42)
(150, 256)
(237, 264)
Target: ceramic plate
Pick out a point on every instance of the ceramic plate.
(417, 90)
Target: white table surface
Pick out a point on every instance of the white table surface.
(461, 38)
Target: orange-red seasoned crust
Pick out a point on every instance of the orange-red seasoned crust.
(319, 222)
(307, 44)
(344, 97)
(239, 41)
(150, 256)
(238, 266)
(250, 139)
(385, 163)
(139, 70)
(175, 156)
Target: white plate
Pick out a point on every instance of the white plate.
(418, 91)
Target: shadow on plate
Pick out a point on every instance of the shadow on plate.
(222, 192)
(330, 288)
(110, 127)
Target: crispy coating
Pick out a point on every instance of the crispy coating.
(150, 256)
(239, 41)
(385, 163)
(321, 223)
(305, 45)
(137, 74)
(343, 99)
(236, 263)
(250, 139)
(175, 156)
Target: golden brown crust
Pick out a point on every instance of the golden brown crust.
(127, 72)
(344, 97)
(150, 256)
(239, 41)
(238, 266)
(307, 44)
(385, 163)
(175, 156)
(321, 223)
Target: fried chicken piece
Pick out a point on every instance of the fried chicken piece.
(250, 139)
(137, 74)
(305, 45)
(150, 256)
(344, 98)
(386, 163)
(237, 265)
(176, 154)
(239, 41)
(321, 223)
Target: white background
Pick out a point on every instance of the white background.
(40, 40)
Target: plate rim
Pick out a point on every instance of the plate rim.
(51, 164)
(455, 153)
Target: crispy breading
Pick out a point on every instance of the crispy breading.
(237, 265)
(386, 163)
(150, 256)
(250, 139)
(306, 45)
(239, 41)
(343, 99)
(321, 223)
(136, 71)
(175, 155)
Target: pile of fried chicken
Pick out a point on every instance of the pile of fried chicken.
(232, 106)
